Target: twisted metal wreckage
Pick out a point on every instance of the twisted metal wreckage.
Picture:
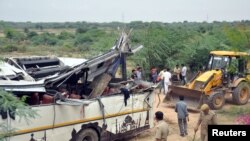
(78, 99)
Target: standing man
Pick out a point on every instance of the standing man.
(139, 73)
(206, 118)
(161, 78)
(167, 76)
(182, 115)
(153, 75)
(177, 71)
(162, 129)
(134, 75)
(183, 74)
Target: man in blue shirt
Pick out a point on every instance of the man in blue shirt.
(182, 114)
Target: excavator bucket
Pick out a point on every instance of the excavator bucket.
(193, 98)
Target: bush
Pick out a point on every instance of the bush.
(81, 30)
(31, 34)
(3, 41)
(69, 47)
(83, 48)
(14, 35)
(10, 48)
(65, 35)
(45, 39)
(83, 39)
(96, 33)
(26, 30)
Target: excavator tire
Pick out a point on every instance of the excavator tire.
(88, 134)
(241, 93)
(216, 101)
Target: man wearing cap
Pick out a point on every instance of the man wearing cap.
(161, 127)
(207, 117)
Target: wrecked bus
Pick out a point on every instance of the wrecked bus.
(77, 99)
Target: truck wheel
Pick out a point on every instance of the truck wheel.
(216, 101)
(241, 93)
(87, 135)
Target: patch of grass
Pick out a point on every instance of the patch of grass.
(235, 111)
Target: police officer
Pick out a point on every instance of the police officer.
(162, 130)
(207, 117)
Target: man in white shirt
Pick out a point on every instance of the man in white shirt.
(183, 74)
(167, 76)
(139, 73)
(162, 80)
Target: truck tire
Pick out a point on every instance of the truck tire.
(241, 94)
(87, 135)
(216, 101)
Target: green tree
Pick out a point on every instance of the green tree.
(45, 39)
(81, 30)
(13, 35)
(26, 30)
(237, 39)
(39, 26)
(83, 39)
(31, 34)
(162, 46)
(9, 33)
(13, 106)
(65, 35)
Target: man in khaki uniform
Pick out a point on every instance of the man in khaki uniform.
(206, 118)
(177, 71)
(161, 127)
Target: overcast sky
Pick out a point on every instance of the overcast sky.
(124, 10)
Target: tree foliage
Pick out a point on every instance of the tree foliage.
(14, 107)
(13, 34)
(45, 39)
(165, 44)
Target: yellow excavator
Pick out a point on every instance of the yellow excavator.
(227, 73)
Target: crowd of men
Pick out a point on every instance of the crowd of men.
(206, 117)
(136, 73)
(164, 77)
(156, 75)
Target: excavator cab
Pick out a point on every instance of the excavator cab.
(218, 62)
(226, 72)
(232, 67)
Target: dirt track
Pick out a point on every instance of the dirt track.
(171, 118)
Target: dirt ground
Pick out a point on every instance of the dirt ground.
(171, 117)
